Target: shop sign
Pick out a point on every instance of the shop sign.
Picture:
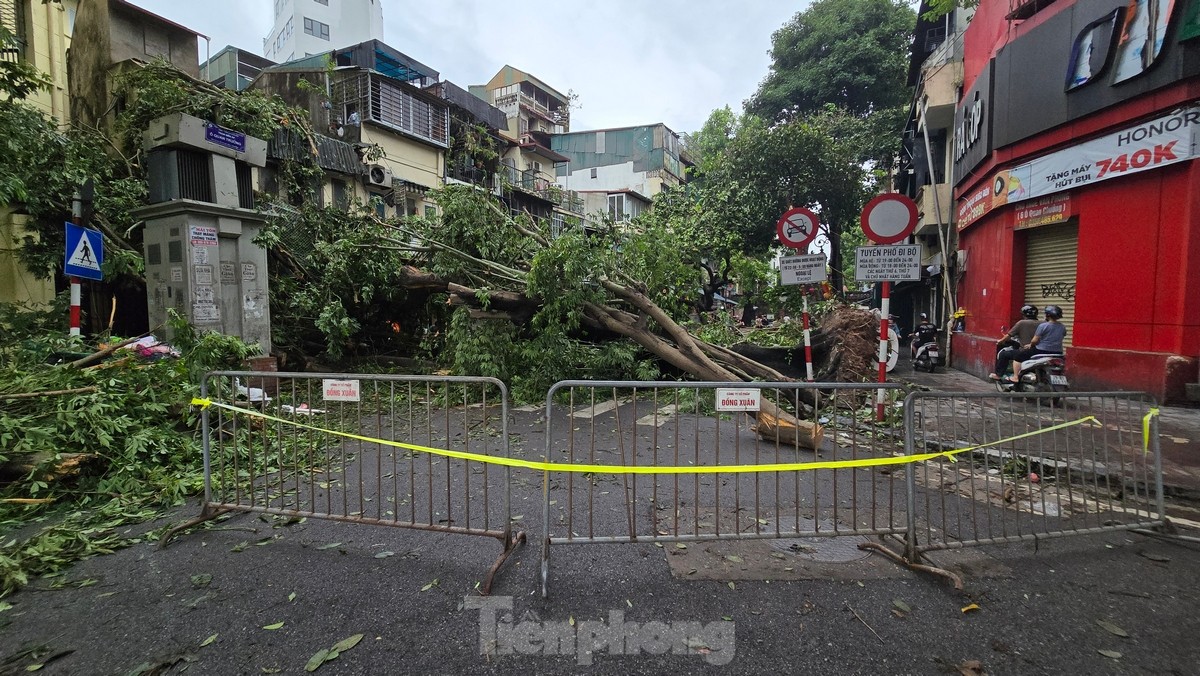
(1044, 211)
(1159, 142)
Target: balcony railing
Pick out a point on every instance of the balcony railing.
(543, 186)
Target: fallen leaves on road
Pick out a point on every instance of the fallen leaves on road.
(971, 608)
(208, 641)
(273, 627)
(1112, 628)
(1110, 654)
(328, 654)
(429, 586)
(971, 668)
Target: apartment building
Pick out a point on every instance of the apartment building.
(935, 74)
(307, 27)
(535, 112)
(377, 96)
(619, 171)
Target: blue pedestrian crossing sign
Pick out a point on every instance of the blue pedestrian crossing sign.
(85, 252)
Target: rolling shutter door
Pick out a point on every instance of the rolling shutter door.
(1050, 257)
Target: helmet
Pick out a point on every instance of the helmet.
(924, 317)
(1029, 311)
(1053, 311)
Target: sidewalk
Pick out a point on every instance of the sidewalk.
(1178, 427)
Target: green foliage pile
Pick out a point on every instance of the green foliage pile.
(130, 420)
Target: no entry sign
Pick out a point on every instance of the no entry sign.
(889, 218)
(797, 228)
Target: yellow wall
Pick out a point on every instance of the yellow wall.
(408, 159)
(16, 284)
(47, 40)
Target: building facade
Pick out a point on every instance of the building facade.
(926, 165)
(307, 27)
(535, 112)
(619, 171)
(377, 96)
(1076, 185)
(233, 68)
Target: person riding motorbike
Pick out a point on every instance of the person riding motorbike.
(924, 332)
(1021, 334)
(1048, 339)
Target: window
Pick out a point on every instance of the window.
(430, 211)
(13, 19)
(593, 172)
(341, 194)
(622, 208)
(535, 166)
(316, 28)
(616, 208)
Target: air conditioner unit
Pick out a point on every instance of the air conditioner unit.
(378, 175)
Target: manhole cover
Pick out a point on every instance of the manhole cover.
(837, 549)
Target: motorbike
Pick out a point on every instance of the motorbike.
(1041, 373)
(928, 356)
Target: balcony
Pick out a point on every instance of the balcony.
(927, 222)
(939, 87)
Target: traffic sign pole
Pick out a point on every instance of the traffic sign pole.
(75, 298)
(808, 362)
(76, 295)
(885, 313)
(887, 219)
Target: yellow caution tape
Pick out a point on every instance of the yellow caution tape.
(1146, 429)
(645, 469)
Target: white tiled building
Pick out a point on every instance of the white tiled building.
(306, 27)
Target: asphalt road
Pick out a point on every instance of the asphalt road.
(275, 593)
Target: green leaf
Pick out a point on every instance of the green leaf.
(317, 660)
(901, 606)
(201, 580)
(292, 596)
(331, 545)
(272, 627)
(208, 641)
(347, 643)
(1111, 654)
(1112, 628)
(429, 586)
(384, 555)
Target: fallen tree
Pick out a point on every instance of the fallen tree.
(503, 279)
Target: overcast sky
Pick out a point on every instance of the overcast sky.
(630, 61)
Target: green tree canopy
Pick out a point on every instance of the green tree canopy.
(851, 53)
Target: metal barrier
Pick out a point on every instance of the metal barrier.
(693, 472)
(1038, 466)
(316, 445)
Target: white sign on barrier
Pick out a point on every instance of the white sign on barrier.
(340, 390)
(888, 263)
(803, 269)
(730, 399)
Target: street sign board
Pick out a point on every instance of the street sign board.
(84, 253)
(803, 269)
(742, 399)
(888, 263)
(889, 218)
(797, 228)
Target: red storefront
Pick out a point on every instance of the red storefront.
(1077, 185)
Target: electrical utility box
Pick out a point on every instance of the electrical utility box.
(201, 259)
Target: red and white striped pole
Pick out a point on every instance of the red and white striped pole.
(76, 218)
(884, 313)
(808, 361)
(75, 296)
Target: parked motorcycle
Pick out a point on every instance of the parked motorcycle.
(1040, 373)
